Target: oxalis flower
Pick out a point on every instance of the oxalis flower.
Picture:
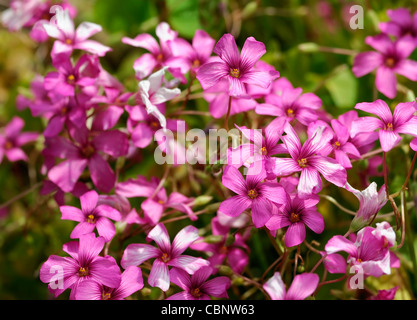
(389, 125)
(252, 193)
(296, 213)
(309, 160)
(91, 216)
(166, 255)
(197, 287)
(237, 68)
(391, 58)
(84, 264)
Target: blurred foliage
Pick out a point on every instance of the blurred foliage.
(293, 32)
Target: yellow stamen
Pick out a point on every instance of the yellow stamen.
(83, 272)
(196, 63)
(68, 41)
(8, 145)
(290, 112)
(302, 162)
(390, 62)
(196, 292)
(90, 218)
(252, 193)
(165, 257)
(294, 217)
(389, 127)
(235, 73)
(264, 151)
(71, 78)
(106, 296)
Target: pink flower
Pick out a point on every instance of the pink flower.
(84, 150)
(263, 145)
(160, 55)
(259, 196)
(131, 281)
(84, 264)
(197, 287)
(197, 53)
(385, 294)
(236, 68)
(296, 213)
(290, 103)
(309, 160)
(91, 216)
(67, 78)
(12, 139)
(69, 38)
(369, 250)
(390, 58)
(402, 23)
(389, 125)
(302, 286)
(166, 255)
(370, 202)
(157, 202)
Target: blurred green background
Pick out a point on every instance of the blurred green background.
(31, 228)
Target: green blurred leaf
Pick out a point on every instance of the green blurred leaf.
(184, 16)
(343, 88)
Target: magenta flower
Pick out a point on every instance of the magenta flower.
(370, 202)
(157, 201)
(389, 125)
(385, 294)
(85, 263)
(402, 23)
(197, 53)
(302, 286)
(68, 38)
(91, 216)
(86, 150)
(166, 255)
(389, 59)
(68, 77)
(308, 160)
(259, 196)
(236, 68)
(290, 103)
(342, 148)
(160, 55)
(131, 281)
(370, 249)
(296, 213)
(235, 253)
(12, 139)
(197, 287)
(261, 147)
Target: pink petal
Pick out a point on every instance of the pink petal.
(302, 286)
(339, 243)
(159, 275)
(261, 211)
(388, 139)
(233, 180)
(184, 239)
(188, 263)
(81, 229)
(296, 233)
(227, 50)
(235, 205)
(160, 235)
(132, 281)
(144, 65)
(101, 173)
(137, 253)
(330, 169)
(335, 263)
(71, 213)
(386, 82)
(313, 220)
(366, 62)
(66, 173)
(114, 143)
(105, 228)
(310, 181)
(275, 287)
(89, 201)
(210, 73)
(407, 68)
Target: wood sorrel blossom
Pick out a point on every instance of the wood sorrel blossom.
(91, 216)
(166, 255)
(84, 264)
(252, 193)
(237, 68)
(389, 125)
(390, 58)
(197, 287)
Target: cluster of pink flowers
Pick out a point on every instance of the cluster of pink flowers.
(94, 125)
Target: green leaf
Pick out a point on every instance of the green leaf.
(184, 17)
(343, 88)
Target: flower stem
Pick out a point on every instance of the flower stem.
(226, 120)
(21, 195)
